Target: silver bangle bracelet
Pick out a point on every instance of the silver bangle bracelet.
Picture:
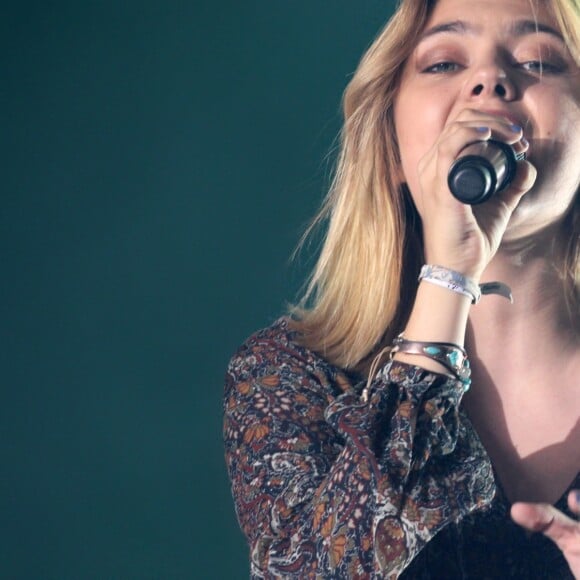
(457, 282)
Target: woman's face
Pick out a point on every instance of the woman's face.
(488, 56)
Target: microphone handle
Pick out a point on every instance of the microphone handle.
(481, 170)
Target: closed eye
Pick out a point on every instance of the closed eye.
(540, 67)
(442, 67)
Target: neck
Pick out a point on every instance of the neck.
(536, 326)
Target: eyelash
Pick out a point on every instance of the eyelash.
(539, 67)
(438, 66)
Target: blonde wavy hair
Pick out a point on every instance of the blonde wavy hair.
(362, 288)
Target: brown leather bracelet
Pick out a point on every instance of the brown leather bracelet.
(452, 356)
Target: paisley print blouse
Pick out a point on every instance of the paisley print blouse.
(328, 485)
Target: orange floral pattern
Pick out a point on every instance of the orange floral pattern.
(329, 486)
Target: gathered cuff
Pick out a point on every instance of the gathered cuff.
(415, 410)
(430, 470)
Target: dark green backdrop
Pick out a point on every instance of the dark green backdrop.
(160, 161)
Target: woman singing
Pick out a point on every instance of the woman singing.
(407, 419)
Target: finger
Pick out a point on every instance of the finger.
(521, 146)
(501, 128)
(522, 183)
(574, 501)
(457, 136)
(544, 518)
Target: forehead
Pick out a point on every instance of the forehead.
(504, 20)
(492, 12)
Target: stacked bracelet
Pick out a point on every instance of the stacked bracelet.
(451, 356)
(461, 284)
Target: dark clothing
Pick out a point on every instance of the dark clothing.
(328, 485)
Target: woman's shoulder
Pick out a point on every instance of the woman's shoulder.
(276, 351)
(279, 338)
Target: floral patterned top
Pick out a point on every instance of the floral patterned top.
(327, 485)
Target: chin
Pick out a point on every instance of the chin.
(531, 228)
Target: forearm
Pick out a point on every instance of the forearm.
(308, 513)
(438, 315)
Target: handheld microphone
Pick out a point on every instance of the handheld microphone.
(481, 170)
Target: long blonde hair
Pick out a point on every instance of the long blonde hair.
(362, 288)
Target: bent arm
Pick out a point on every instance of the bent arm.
(327, 484)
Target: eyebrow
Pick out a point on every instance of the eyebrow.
(523, 27)
(518, 28)
(457, 26)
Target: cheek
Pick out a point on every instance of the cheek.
(554, 112)
(554, 150)
(567, 119)
(567, 167)
(556, 134)
(419, 120)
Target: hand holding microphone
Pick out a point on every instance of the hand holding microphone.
(463, 236)
(481, 170)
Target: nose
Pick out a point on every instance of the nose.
(490, 81)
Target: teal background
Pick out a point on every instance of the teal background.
(159, 163)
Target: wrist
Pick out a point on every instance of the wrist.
(469, 269)
(438, 315)
(458, 283)
(451, 280)
(451, 357)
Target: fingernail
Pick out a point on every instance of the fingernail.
(524, 142)
(515, 128)
(577, 496)
(482, 129)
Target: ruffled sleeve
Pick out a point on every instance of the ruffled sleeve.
(327, 484)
